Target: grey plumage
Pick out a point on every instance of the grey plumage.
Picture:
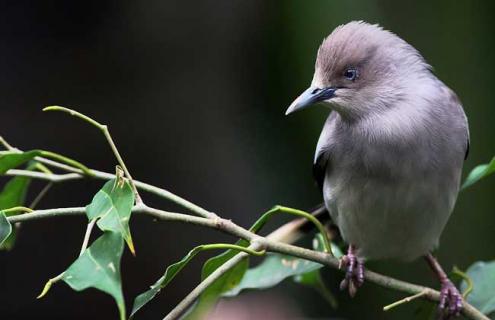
(390, 155)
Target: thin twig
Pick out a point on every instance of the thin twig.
(405, 300)
(76, 173)
(5, 144)
(305, 215)
(48, 213)
(48, 154)
(58, 165)
(41, 195)
(465, 277)
(68, 161)
(108, 136)
(43, 176)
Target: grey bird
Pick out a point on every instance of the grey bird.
(390, 156)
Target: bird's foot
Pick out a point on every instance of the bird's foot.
(450, 300)
(354, 271)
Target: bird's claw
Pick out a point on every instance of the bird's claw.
(354, 272)
(450, 300)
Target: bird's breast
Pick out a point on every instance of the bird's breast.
(390, 201)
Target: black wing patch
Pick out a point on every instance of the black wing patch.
(320, 168)
(467, 150)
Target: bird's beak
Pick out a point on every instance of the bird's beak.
(309, 97)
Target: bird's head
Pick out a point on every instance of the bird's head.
(362, 68)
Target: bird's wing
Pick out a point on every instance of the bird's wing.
(322, 156)
(319, 169)
(467, 149)
(454, 99)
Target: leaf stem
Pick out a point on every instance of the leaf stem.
(75, 114)
(41, 195)
(41, 167)
(300, 213)
(196, 292)
(17, 209)
(108, 136)
(71, 162)
(56, 279)
(405, 300)
(466, 278)
(49, 284)
(6, 145)
(87, 235)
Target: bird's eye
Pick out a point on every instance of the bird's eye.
(351, 74)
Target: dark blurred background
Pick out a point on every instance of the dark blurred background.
(195, 94)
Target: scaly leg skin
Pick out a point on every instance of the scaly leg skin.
(354, 271)
(450, 299)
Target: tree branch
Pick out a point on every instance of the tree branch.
(272, 242)
(104, 129)
(269, 243)
(78, 174)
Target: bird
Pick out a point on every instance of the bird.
(390, 155)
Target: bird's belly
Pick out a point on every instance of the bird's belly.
(390, 220)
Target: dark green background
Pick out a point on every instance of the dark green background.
(195, 94)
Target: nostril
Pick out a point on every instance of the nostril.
(315, 91)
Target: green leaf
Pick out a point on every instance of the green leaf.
(278, 267)
(230, 279)
(273, 270)
(5, 227)
(13, 159)
(483, 295)
(168, 276)
(318, 245)
(214, 263)
(112, 206)
(314, 280)
(173, 269)
(225, 283)
(13, 195)
(425, 310)
(479, 173)
(14, 192)
(99, 267)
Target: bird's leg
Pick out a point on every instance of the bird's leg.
(450, 298)
(354, 271)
